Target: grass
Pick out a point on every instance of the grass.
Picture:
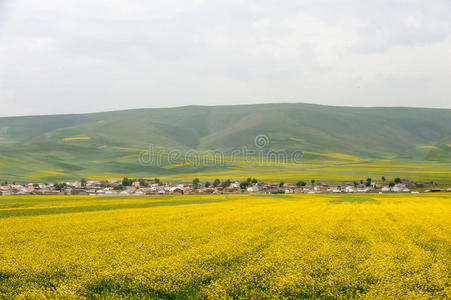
(229, 246)
(337, 143)
(64, 162)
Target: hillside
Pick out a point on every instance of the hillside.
(107, 143)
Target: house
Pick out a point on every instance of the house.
(253, 189)
(397, 189)
(230, 189)
(350, 189)
(131, 189)
(23, 191)
(176, 190)
(79, 192)
(235, 184)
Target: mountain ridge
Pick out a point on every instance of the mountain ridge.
(226, 105)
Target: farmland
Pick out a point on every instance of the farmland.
(58, 163)
(336, 144)
(238, 246)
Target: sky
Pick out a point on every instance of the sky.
(76, 56)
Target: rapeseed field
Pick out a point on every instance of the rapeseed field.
(226, 246)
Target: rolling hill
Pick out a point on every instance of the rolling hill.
(107, 144)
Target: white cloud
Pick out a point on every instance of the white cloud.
(79, 56)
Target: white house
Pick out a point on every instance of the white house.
(5, 193)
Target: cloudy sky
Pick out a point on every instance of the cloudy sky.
(96, 55)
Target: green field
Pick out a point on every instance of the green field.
(226, 246)
(114, 164)
(337, 143)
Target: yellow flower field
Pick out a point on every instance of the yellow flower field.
(226, 246)
(77, 138)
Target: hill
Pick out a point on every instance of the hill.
(108, 143)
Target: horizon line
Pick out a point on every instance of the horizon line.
(222, 105)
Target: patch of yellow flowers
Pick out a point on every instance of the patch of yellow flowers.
(239, 246)
(77, 138)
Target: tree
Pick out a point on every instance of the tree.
(196, 182)
(156, 180)
(83, 182)
(126, 181)
(368, 182)
(244, 184)
(356, 183)
(301, 183)
(59, 186)
(254, 181)
(313, 181)
(142, 182)
(391, 184)
(397, 180)
(383, 179)
(226, 183)
(281, 184)
(207, 184)
(118, 187)
(216, 182)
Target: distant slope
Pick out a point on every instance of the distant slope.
(358, 131)
(89, 142)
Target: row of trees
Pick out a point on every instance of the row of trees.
(217, 182)
(383, 179)
(249, 181)
(6, 182)
(129, 182)
(125, 182)
(367, 182)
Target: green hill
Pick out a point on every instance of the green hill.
(100, 144)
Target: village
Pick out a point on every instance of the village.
(156, 187)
